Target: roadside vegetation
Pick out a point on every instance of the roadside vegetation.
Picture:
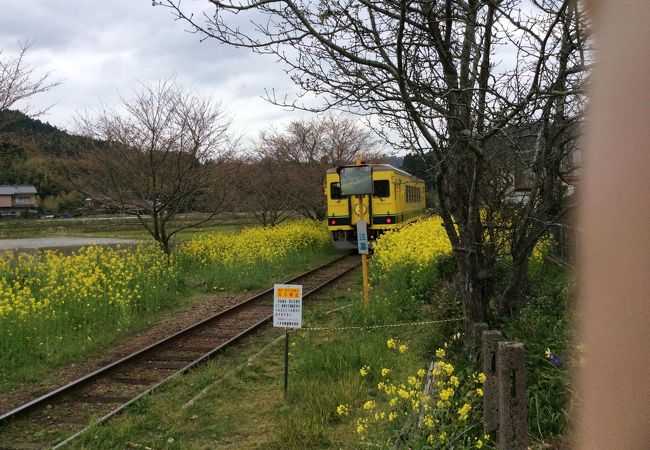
(55, 308)
(356, 382)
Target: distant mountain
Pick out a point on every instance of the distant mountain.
(31, 152)
(395, 161)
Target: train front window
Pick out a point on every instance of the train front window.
(381, 188)
(335, 191)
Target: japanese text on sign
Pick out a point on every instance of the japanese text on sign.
(362, 237)
(287, 305)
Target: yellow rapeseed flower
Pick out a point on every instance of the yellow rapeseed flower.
(369, 405)
(463, 411)
(343, 410)
(446, 394)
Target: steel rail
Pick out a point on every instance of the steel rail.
(79, 382)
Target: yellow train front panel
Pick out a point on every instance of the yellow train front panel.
(397, 197)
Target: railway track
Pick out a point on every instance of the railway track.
(65, 413)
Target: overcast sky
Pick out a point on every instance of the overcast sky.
(102, 49)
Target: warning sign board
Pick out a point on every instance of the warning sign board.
(287, 305)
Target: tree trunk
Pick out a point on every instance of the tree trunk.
(476, 289)
(510, 300)
(166, 247)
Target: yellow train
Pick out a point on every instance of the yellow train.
(394, 197)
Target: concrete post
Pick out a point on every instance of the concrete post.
(490, 340)
(512, 433)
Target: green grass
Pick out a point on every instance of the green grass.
(245, 408)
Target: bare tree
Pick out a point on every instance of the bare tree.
(308, 148)
(168, 152)
(448, 77)
(18, 81)
(267, 190)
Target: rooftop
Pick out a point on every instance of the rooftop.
(13, 189)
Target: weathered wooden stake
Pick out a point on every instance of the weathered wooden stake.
(512, 433)
(490, 339)
(475, 340)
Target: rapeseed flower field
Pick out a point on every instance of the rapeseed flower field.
(405, 260)
(225, 260)
(49, 300)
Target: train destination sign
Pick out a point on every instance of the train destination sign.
(287, 305)
(362, 237)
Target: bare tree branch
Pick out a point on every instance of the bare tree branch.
(18, 81)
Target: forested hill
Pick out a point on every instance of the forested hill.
(31, 152)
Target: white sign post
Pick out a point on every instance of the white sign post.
(287, 313)
(287, 305)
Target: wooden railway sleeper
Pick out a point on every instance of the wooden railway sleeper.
(133, 381)
(172, 358)
(102, 399)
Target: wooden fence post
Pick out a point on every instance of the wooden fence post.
(490, 340)
(512, 433)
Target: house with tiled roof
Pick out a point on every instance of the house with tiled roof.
(17, 200)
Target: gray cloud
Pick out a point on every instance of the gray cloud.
(101, 49)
